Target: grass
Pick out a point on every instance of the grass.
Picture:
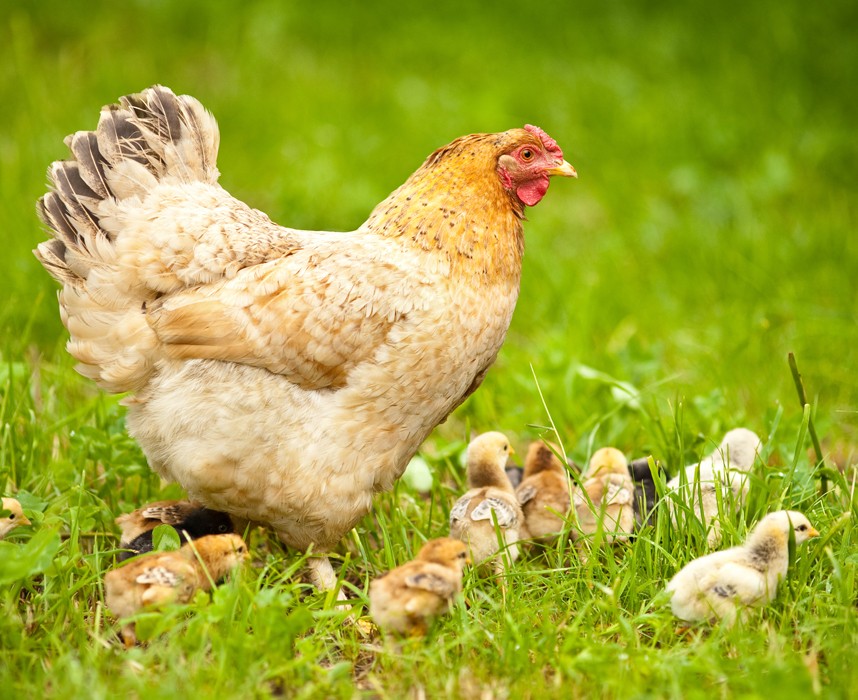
(711, 232)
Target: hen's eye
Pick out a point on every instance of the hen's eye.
(527, 154)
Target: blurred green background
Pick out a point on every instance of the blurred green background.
(712, 229)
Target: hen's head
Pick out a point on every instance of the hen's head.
(528, 161)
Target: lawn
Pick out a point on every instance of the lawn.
(711, 232)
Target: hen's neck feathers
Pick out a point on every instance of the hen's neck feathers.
(455, 207)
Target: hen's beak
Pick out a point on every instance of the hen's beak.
(563, 169)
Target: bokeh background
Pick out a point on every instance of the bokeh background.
(712, 229)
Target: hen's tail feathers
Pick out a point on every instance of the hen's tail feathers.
(148, 139)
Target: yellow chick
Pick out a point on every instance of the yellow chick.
(726, 469)
(718, 584)
(15, 518)
(160, 578)
(605, 499)
(543, 493)
(186, 517)
(490, 498)
(406, 599)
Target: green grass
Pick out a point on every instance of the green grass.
(712, 231)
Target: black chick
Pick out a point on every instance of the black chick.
(188, 519)
(646, 495)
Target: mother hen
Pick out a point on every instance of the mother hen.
(283, 376)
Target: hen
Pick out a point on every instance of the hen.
(283, 376)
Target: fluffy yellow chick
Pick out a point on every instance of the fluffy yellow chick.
(726, 469)
(490, 498)
(406, 599)
(605, 499)
(14, 519)
(159, 578)
(543, 493)
(718, 584)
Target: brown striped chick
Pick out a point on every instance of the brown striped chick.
(160, 578)
(490, 498)
(605, 500)
(184, 516)
(407, 599)
(14, 516)
(719, 584)
(543, 493)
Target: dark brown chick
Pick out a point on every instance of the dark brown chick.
(543, 492)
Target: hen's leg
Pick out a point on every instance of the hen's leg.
(322, 574)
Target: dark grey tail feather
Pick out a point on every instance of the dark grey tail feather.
(168, 135)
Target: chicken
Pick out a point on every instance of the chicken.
(189, 519)
(160, 578)
(721, 475)
(718, 584)
(406, 599)
(543, 493)
(258, 357)
(12, 516)
(605, 499)
(489, 502)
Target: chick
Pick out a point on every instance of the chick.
(185, 516)
(543, 493)
(15, 517)
(646, 495)
(160, 578)
(721, 475)
(718, 584)
(406, 599)
(490, 498)
(605, 499)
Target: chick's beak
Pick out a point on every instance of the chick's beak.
(24, 520)
(813, 532)
(563, 169)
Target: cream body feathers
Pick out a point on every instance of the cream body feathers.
(722, 474)
(719, 584)
(281, 376)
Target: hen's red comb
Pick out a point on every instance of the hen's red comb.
(549, 143)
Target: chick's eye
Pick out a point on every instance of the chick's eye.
(801, 528)
(11, 516)
(222, 528)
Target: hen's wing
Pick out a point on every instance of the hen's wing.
(311, 316)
